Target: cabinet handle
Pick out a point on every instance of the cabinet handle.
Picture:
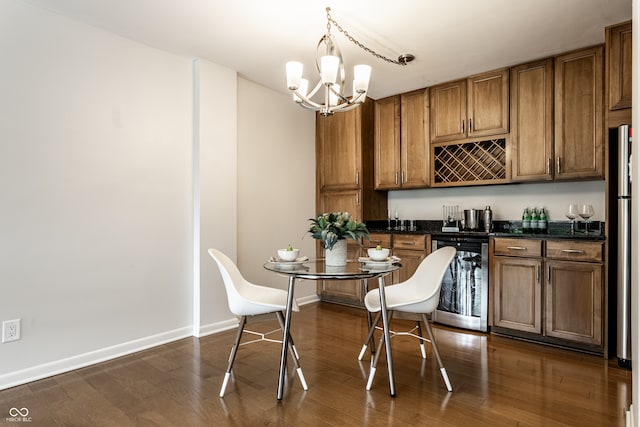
(375, 241)
(407, 243)
(537, 274)
(402, 177)
(516, 248)
(549, 166)
(462, 126)
(572, 251)
(396, 178)
(558, 165)
(470, 125)
(357, 199)
(357, 177)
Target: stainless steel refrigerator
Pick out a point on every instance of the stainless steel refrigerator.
(623, 246)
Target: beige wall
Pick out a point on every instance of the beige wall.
(276, 181)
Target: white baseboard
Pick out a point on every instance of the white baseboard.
(49, 369)
(61, 366)
(308, 300)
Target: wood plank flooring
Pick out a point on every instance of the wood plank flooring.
(496, 381)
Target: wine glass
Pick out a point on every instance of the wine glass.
(572, 214)
(586, 212)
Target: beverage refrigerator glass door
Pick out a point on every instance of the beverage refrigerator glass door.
(465, 288)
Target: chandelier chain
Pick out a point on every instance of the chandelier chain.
(349, 37)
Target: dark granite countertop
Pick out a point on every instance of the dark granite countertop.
(555, 230)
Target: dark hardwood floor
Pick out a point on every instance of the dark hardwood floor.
(496, 382)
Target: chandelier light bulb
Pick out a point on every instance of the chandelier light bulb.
(361, 76)
(294, 74)
(329, 69)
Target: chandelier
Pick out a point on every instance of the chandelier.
(331, 69)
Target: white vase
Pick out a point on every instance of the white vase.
(337, 256)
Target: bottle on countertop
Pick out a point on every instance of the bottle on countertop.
(526, 221)
(542, 222)
(488, 219)
(535, 218)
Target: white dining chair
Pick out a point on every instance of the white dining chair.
(247, 299)
(420, 295)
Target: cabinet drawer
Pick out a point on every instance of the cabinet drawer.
(375, 239)
(529, 248)
(410, 241)
(574, 251)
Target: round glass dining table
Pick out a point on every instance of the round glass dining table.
(316, 269)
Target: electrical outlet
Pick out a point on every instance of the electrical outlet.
(10, 330)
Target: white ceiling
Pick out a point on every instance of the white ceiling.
(450, 38)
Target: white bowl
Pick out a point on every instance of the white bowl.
(378, 254)
(286, 255)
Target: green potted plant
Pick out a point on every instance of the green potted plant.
(333, 229)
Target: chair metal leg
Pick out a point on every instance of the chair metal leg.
(370, 323)
(423, 353)
(376, 357)
(294, 353)
(370, 339)
(443, 371)
(232, 356)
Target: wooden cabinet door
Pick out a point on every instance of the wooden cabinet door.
(410, 261)
(448, 111)
(488, 103)
(532, 121)
(579, 135)
(342, 201)
(619, 54)
(573, 301)
(387, 143)
(338, 150)
(517, 293)
(414, 145)
(350, 292)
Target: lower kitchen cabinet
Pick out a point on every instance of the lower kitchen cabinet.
(574, 291)
(348, 292)
(411, 249)
(517, 293)
(550, 291)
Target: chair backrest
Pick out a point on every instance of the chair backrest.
(245, 298)
(234, 282)
(426, 282)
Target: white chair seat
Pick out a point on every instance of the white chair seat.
(419, 294)
(247, 299)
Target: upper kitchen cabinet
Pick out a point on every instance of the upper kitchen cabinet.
(344, 168)
(618, 74)
(532, 121)
(579, 149)
(339, 149)
(401, 141)
(474, 107)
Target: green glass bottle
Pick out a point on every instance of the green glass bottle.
(526, 221)
(542, 222)
(535, 218)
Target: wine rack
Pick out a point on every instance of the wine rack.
(470, 163)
